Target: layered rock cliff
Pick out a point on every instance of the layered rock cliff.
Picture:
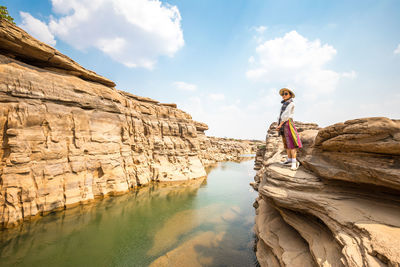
(68, 136)
(216, 149)
(341, 207)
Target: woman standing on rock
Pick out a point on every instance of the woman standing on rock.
(286, 128)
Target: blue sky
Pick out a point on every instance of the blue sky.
(223, 61)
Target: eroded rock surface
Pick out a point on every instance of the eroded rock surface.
(67, 136)
(216, 149)
(16, 43)
(343, 202)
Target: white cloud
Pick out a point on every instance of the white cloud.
(36, 28)
(185, 86)
(258, 37)
(351, 74)
(397, 50)
(252, 60)
(216, 97)
(134, 33)
(260, 29)
(238, 118)
(230, 109)
(293, 60)
(266, 98)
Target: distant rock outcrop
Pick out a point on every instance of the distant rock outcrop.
(216, 149)
(67, 136)
(341, 207)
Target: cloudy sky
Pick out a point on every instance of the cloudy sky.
(223, 61)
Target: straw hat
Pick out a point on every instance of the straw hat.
(286, 89)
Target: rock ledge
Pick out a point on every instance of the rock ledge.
(341, 207)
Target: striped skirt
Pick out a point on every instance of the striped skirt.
(291, 138)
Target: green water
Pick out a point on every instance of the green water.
(205, 223)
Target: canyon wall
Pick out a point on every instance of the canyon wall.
(341, 207)
(68, 136)
(216, 149)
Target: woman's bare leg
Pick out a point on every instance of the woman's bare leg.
(293, 153)
(289, 153)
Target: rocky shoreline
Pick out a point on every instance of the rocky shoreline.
(341, 207)
(68, 136)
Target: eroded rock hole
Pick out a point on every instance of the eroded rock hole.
(98, 173)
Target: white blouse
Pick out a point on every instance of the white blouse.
(288, 113)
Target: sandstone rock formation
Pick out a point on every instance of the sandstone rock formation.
(341, 207)
(68, 136)
(216, 149)
(16, 43)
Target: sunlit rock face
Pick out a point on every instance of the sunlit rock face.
(216, 149)
(341, 207)
(68, 136)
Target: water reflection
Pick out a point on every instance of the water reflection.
(209, 221)
(218, 247)
(181, 223)
(98, 222)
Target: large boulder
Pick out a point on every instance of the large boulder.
(363, 151)
(343, 202)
